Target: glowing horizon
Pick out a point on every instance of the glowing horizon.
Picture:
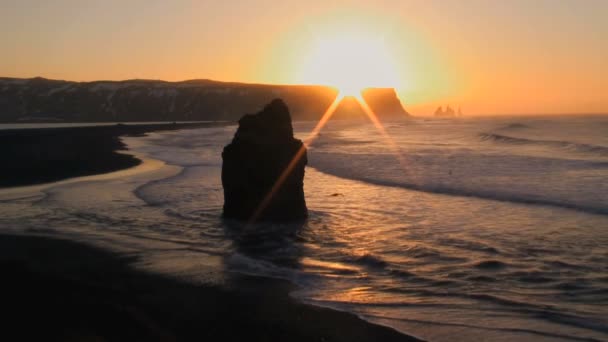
(488, 58)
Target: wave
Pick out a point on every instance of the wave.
(531, 311)
(515, 125)
(371, 260)
(140, 191)
(489, 194)
(322, 143)
(565, 145)
(520, 331)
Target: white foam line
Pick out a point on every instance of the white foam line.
(147, 165)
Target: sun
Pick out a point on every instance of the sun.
(350, 61)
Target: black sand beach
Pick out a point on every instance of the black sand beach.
(34, 156)
(55, 289)
(60, 290)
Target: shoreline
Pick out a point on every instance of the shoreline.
(71, 291)
(36, 156)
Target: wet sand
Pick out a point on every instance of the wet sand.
(61, 290)
(35, 156)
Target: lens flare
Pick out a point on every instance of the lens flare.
(313, 135)
(296, 158)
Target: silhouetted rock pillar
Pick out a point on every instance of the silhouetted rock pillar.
(263, 168)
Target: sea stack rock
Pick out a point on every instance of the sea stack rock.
(384, 102)
(263, 168)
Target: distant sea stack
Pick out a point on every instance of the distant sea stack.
(448, 112)
(263, 168)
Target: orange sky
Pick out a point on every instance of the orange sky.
(489, 57)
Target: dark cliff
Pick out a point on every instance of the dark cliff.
(382, 101)
(43, 100)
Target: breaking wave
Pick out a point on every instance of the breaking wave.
(515, 125)
(564, 145)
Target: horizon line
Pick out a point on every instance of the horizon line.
(335, 88)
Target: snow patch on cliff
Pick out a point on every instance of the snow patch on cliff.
(58, 89)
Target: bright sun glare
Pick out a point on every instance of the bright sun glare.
(350, 61)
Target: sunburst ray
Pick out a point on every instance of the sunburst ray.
(296, 158)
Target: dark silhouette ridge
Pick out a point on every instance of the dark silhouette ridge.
(382, 101)
(263, 168)
(43, 100)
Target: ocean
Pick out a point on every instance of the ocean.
(490, 228)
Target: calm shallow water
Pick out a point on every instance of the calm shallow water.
(493, 229)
